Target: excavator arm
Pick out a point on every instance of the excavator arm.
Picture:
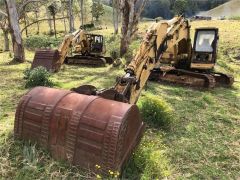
(69, 40)
(53, 59)
(160, 38)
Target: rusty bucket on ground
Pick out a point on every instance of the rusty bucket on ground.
(84, 130)
(48, 59)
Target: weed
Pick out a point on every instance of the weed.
(37, 77)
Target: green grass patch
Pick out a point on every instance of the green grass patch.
(150, 160)
(155, 111)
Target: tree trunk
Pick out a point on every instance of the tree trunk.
(115, 15)
(36, 17)
(49, 22)
(131, 11)
(6, 40)
(25, 23)
(71, 18)
(15, 31)
(54, 26)
(125, 28)
(81, 6)
(64, 22)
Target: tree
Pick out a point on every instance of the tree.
(63, 7)
(53, 11)
(71, 17)
(159, 8)
(180, 7)
(97, 10)
(15, 31)
(5, 28)
(131, 11)
(115, 6)
(81, 10)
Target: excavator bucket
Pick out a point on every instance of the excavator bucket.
(83, 130)
(48, 59)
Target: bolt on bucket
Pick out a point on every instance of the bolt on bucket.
(84, 130)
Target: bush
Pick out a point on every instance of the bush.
(156, 111)
(113, 46)
(88, 26)
(34, 42)
(235, 18)
(37, 77)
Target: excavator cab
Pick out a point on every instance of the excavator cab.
(96, 43)
(204, 52)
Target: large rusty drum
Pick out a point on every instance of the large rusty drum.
(84, 130)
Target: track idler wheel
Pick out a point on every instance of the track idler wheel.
(223, 79)
(81, 129)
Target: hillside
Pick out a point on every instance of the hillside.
(229, 9)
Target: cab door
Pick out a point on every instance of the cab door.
(204, 52)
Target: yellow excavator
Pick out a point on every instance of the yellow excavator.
(89, 127)
(190, 64)
(76, 48)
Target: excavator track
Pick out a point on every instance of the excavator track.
(184, 77)
(223, 79)
(88, 60)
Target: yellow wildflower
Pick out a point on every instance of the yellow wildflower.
(99, 177)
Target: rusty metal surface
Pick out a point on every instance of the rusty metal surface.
(223, 79)
(88, 60)
(48, 59)
(184, 77)
(84, 130)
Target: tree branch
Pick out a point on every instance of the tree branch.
(22, 7)
(46, 19)
(3, 13)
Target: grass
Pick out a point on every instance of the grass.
(202, 143)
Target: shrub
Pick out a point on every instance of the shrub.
(235, 18)
(156, 111)
(113, 46)
(34, 42)
(37, 77)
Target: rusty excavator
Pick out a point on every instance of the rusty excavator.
(190, 64)
(89, 127)
(78, 47)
